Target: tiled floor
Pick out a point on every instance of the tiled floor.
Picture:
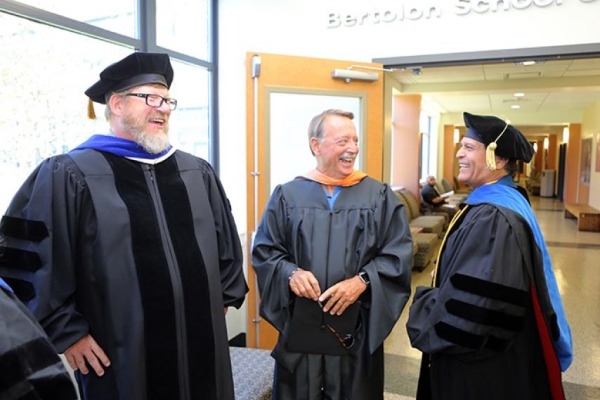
(576, 261)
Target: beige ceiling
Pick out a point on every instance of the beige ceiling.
(556, 91)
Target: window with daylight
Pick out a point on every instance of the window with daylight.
(56, 51)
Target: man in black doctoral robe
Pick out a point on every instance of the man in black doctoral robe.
(337, 238)
(493, 325)
(126, 250)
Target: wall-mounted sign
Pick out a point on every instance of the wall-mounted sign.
(414, 11)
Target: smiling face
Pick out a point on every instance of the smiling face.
(473, 169)
(336, 151)
(135, 120)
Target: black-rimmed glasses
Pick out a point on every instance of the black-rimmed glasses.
(154, 100)
(347, 341)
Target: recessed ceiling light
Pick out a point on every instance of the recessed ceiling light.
(515, 106)
(526, 62)
(519, 94)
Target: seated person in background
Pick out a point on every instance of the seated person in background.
(430, 193)
(432, 197)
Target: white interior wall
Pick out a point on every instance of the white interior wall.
(301, 28)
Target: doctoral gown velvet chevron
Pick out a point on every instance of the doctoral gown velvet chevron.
(30, 367)
(487, 328)
(142, 256)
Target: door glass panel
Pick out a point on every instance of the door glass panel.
(290, 114)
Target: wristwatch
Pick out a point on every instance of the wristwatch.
(364, 277)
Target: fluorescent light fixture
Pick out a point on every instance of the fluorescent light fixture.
(349, 75)
(526, 62)
(529, 62)
(515, 106)
(519, 94)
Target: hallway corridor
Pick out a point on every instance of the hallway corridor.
(576, 261)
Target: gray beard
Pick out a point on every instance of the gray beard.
(153, 144)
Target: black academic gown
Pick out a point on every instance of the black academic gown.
(143, 257)
(30, 367)
(477, 327)
(367, 230)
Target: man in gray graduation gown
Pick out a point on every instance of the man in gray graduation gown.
(341, 238)
(126, 250)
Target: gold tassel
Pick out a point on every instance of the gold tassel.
(490, 151)
(90, 111)
(490, 156)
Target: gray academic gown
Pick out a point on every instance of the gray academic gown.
(367, 230)
(143, 257)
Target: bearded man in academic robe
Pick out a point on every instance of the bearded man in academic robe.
(126, 250)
